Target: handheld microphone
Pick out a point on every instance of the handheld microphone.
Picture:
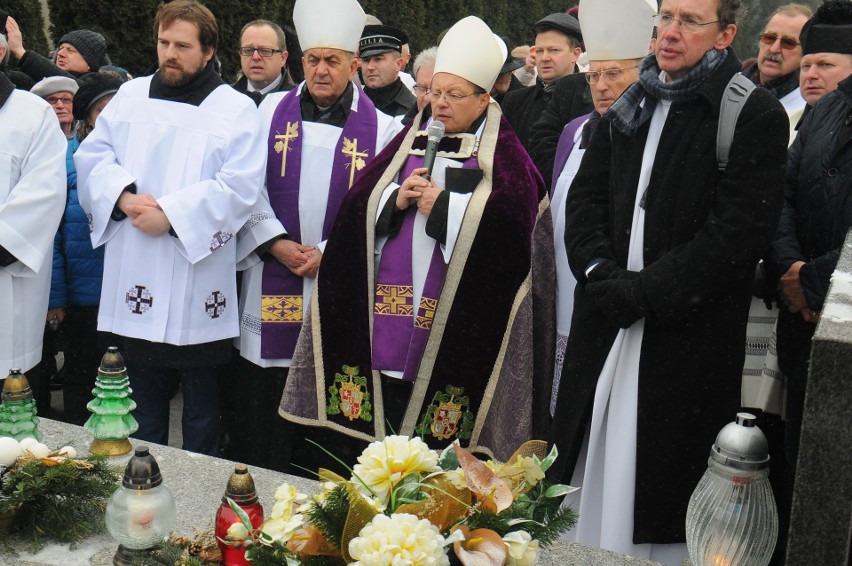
(434, 133)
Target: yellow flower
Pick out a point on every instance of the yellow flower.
(282, 529)
(398, 539)
(523, 550)
(383, 464)
(286, 498)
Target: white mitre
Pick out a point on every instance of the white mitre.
(332, 24)
(617, 29)
(470, 50)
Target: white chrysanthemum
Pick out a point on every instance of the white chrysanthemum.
(383, 464)
(398, 539)
(282, 529)
(523, 550)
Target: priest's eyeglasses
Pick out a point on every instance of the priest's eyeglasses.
(451, 98)
(769, 38)
(687, 25)
(609, 75)
(263, 51)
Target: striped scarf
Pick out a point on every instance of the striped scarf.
(628, 113)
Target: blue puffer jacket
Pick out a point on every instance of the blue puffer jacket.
(77, 268)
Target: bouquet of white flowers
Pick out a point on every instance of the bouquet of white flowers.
(407, 504)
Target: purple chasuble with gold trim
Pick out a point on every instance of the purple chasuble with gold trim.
(398, 335)
(282, 301)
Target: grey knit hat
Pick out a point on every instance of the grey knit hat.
(91, 45)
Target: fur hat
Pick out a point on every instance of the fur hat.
(93, 87)
(829, 30)
(91, 45)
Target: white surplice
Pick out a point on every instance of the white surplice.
(607, 465)
(794, 105)
(319, 143)
(32, 200)
(423, 245)
(565, 281)
(204, 165)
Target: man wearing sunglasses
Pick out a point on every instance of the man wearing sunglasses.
(263, 59)
(778, 57)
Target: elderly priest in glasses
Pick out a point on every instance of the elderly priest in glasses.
(421, 320)
(319, 138)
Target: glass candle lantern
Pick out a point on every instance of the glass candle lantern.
(140, 513)
(732, 518)
(240, 490)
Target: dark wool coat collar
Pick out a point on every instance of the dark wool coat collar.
(710, 90)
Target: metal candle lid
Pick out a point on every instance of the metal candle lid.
(112, 361)
(142, 471)
(741, 445)
(16, 387)
(240, 487)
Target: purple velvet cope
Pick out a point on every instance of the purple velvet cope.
(281, 317)
(497, 264)
(564, 147)
(398, 335)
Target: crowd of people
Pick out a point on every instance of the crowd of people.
(612, 239)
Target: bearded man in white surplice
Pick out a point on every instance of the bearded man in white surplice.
(169, 176)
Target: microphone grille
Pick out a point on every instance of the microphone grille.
(435, 131)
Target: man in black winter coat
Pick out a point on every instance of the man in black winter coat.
(80, 51)
(817, 210)
(571, 99)
(663, 246)
(557, 47)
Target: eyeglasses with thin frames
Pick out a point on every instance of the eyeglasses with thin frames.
(769, 38)
(420, 89)
(64, 100)
(263, 51)
(609, 75)
(687, 25)
(450, 98)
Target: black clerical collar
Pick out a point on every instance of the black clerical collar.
(193, 93)
(384, 95)
(334, 115)
(478, 122)
(6, 89)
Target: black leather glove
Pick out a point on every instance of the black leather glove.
(621, 300)
(608, 269)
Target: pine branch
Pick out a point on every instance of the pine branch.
(329, 515)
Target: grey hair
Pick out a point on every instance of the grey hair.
(5, 45)
(279, 33)
(425, 58)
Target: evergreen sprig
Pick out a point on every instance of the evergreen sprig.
(63, 502)
(329, 515)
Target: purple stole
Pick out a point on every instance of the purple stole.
(398, 336)
(281, 300)
(564, 147)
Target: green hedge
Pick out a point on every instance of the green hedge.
(128, 25)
